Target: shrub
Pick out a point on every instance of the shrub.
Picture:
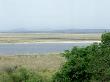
(106, 38)
(4, 77)
(87, 64)
(20, 75)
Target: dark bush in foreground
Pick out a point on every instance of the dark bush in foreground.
(89, 64)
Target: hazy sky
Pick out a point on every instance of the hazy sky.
(53, 14)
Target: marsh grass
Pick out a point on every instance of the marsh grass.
(45, 65)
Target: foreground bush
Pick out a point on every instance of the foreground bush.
(20, 75)
(88, 64)
(106, 38)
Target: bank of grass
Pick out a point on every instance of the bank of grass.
(46, 37)
(45, 65)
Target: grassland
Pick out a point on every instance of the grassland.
(46, 65)
(46, 37)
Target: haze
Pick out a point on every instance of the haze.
(54, 14)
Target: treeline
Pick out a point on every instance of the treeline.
(83, 64)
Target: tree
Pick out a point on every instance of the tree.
(106, 38)
(87, 64)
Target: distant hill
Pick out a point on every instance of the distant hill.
(22, 30)
(19, 30)
(83, 31)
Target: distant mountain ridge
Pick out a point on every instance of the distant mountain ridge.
(59, 31)
(83, 31)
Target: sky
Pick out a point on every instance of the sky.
(54, 14)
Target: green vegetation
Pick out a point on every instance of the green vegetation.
(89, 64)
(20, 75)
(106, 39)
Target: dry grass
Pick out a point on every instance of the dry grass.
(45, 37)
(40, 63)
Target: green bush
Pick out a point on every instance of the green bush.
(4, 77)
(106, 38)
(87, 64)
(20, 75)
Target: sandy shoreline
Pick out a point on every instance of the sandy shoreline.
(54, 42)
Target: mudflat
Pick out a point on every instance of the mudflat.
(46, 37)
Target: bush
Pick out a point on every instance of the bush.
(20, 75)
(106, 38)
(4, 77)
(87, 64)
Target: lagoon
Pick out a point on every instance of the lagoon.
(40, 48)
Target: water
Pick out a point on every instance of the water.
(37, 48)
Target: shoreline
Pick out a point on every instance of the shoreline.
(49, 42)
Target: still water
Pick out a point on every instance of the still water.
(37, 47)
